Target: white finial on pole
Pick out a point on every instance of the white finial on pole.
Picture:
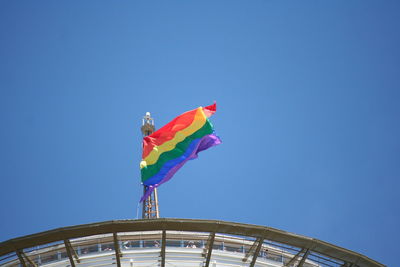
(147, 124)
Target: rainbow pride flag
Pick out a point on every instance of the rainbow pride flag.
(166, 150)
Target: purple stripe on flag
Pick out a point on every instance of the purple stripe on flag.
(172, 166)
(205, 143)
(148, 192)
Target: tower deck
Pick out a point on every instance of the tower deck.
(174, 242)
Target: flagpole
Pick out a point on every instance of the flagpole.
(150, 204)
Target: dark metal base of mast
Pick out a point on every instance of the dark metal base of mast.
(150, 206)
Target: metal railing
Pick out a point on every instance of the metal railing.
(185, 242)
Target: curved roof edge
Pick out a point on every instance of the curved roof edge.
(188, 225)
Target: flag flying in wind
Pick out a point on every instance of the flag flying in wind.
(166, 150)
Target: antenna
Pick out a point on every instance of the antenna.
(150, 204)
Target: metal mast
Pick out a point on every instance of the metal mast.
(150, 204)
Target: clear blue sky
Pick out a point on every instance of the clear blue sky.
(308, 110)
